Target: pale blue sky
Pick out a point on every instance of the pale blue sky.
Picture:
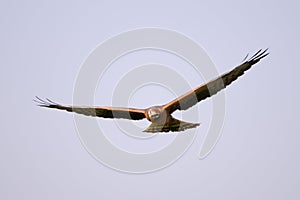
(43, 46)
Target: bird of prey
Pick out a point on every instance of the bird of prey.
(160, 116)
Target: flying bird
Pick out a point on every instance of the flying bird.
(160, 116)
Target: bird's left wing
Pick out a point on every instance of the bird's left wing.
(192, 97)
(105, 112)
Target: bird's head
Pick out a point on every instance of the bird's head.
(156, 114)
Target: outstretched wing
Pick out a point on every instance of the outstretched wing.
(193, 97)
(105, 112)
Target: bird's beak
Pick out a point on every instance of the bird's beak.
(155, 116)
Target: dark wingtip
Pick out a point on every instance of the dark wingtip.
(260, 54)
(245, 57)
(43, 103)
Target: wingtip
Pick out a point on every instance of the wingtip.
(245, 57)
(43, 103)
(38, 101)
(260, 54)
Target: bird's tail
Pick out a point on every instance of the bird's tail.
(174, 125)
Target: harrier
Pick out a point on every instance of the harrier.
(160, 116)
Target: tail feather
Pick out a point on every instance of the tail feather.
(175, 126)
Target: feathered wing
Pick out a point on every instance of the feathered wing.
(193, 97)
(105, 112)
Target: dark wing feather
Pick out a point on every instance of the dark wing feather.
(105, 112)
(193, 97)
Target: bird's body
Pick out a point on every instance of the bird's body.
(162, 121)
(160, 116)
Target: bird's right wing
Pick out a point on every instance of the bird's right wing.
(105, 112)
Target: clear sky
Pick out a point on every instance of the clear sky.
(43, 46)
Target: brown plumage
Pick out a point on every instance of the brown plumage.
(160, 116)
